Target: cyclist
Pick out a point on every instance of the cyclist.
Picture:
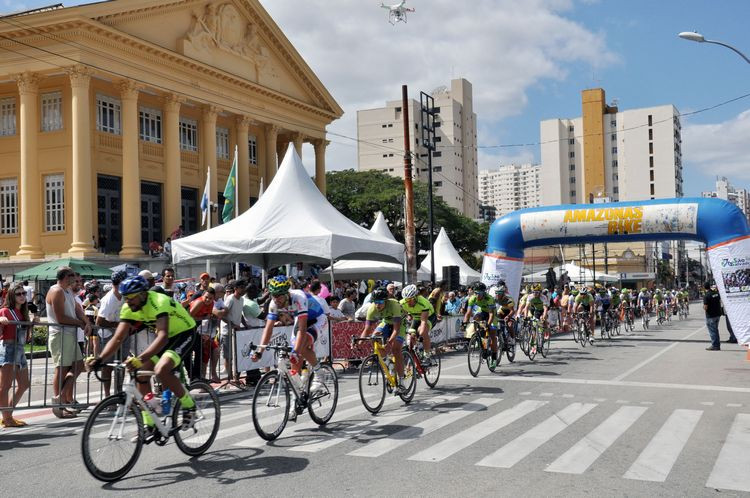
(504, 309)
(306, 310)
(603, 303)
(584, 301)
(483, 307)
(644, 301)
(423, 317)
(571, 306)
(175, 334)
(658, 299)
(626, 302)
(683, 297)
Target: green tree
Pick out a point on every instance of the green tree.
(360, 194)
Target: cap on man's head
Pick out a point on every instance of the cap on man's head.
(146, 274)
(204, 275)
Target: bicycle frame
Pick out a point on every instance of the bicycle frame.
(379, 349)
(132, 395)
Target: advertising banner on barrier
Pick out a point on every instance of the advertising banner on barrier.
(244, 337)
(731, 268)
(496, 268)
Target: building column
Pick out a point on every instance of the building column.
(298, 139)
(272, 132)
(320, 164)
(243, 163)
(82, 243)
(29, 181)
(172, 163)
(208, 127)
(131, 177)
(282, 145)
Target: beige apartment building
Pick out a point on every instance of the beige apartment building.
(112, 113)
(380, 134)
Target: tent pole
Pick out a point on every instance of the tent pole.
(208, 227)
(332, 285)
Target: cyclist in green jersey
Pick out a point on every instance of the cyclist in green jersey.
(504, 308)
(175, 333)
(535, 305)
(482, 307)
(385, 317)
(422, 315)
(585, 302)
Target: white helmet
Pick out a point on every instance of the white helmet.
(493, 290)
(409, 291)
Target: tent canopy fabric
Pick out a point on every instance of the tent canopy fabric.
(358, 270)
(446, 255)
(577, 274)
(292, 222)
(48, 270)
(128, 268)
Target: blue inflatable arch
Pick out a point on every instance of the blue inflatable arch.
(715, 222)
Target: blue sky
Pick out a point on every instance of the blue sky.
(528, 61)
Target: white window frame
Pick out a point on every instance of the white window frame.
(52, 111)
(108, 114)
(252, 149)
(54, 203)
(8, 116)
(149, 125)
(9, 206)
(222, 142)
(189, 134)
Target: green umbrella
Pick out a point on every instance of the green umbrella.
(48, 270)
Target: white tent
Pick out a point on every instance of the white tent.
(577, 274)
(356, 270)
(291, 222)
(446, 255)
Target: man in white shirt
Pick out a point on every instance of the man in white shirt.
(108, 319)
(29, 291)
(231, 320)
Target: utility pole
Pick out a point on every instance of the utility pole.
(411, 253)
(427, 108)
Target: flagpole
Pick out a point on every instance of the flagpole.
(236, 203)
(208, 217)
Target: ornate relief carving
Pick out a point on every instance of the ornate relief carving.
(80, 76)
(129, 89)
(172, 102)
(271, 130)
(243, 122)
(224, 28)
(28, 83)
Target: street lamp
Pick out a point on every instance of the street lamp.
(697, 37)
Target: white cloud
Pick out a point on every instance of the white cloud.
(503, 47)
(719, 148)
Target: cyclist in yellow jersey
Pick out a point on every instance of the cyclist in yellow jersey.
(422, 315)
(175, 333)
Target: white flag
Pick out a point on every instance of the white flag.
(205, 198)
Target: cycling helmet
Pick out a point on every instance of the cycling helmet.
(501, 289)
(181, 285)
(585, 291)
(118, 276)
(493, 290)
(574, 291)
(133, 285)
(380, 294)
(602, 290)
(409, 292)
(537, 288)
(279, 285)
(480, 287)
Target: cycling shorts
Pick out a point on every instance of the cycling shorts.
(178, 347)
(415, 324)
(386, 329)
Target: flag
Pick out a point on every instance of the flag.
(230, 191)
(204, 199)
(260, 189)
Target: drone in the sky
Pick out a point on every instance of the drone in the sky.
(397, 12)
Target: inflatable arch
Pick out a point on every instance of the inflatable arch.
(715, 222)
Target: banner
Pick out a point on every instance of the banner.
(730, 265)
(497, 268)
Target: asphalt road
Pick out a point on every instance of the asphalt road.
(645, 414)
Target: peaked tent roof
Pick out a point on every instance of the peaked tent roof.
(577, 274)
(446, 255)
(48, 270)
(291, 222)
(356, 270)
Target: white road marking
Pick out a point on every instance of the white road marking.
(656, 461)
(400, 438)
(516, 450)
(466, 438)
(734, 405)
(585, 452)
(547, 395)
(730, 469)
(707, 403)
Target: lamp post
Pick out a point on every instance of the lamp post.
(697, 37)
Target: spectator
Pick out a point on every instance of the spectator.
(232, 320)
(347, 306)
(322, 324)
(391, 288)
(66, 314)
(168, 281)
(29, 292)
(436, 298)
(362, 291)
(453, 304)
(712, 306)
(108, 319)
(6, 286)
(335, 314)
(732, 339)
(12, 358)
(167, 247)
(551, 278)
(202, 310)
(177, 233)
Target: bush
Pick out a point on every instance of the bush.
(39, 336)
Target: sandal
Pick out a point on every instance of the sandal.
(9, 424)
(20, 423)
(65, 413)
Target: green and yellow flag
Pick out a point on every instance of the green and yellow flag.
(230, 192)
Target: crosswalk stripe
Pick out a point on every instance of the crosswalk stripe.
(585, 452)
(466, 438)
(730, 469)
(516, 450)
(400, 438)
(656, 461)
(382, 419)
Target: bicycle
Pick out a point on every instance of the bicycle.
(508, 339)
(377, 374)
(645, 317)
(629, 319)
(272, 399)
(430, 372)
(683, 311)
(480, 348)
(660, 315)
(584, 329)
(114, 433)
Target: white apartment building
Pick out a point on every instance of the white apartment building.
(510, 187)
(454, 163)
(622, 155)
(740, 197)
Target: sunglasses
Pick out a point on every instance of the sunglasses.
(379, 301)
(19, 294)
(131, 296)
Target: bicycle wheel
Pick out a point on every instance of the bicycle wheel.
(474, 355)
(489, 356)
(410, 379)
(510, 348)
(546, 340)
(271, 402)
(432, 373)
(371, 384)
(322, 404)
(112, 439)
(194, 439)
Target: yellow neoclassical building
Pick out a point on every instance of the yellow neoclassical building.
(112, 113)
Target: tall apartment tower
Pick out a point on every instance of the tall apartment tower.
(380, 133)
(510, 187)
(740, 197)
(620, 155)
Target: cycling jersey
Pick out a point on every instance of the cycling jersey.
(535, 305)
(298, 303)
(505, 305)
(420, 305)
(391, 311)
(603, 301)
(658, 298)
(156, 306)
(615, 299)
(585, 300)
(483, 305)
